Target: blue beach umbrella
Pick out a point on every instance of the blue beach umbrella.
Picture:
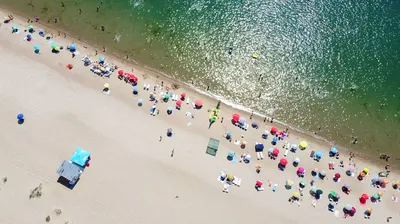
(20, 116)
(41, 33)
(14, 27)
(101, 59)
(72, 47)
(275, 139)
(36, 47)
(259, 147)
(333, 150)
(318, 154)
(28, 36)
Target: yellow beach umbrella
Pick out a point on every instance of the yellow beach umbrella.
(366, 170)
(369, 210)
(106, 85)
(289, 183)
(296, 194)
(230, 177)
(258, 166)
(303, 144)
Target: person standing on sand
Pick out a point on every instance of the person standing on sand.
(172, 153)
(160, 138)
(222, 119)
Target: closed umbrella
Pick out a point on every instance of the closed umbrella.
(283, 162)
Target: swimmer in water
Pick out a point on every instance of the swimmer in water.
(230, 51)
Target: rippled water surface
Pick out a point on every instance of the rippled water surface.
(325, 66)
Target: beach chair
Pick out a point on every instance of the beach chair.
(226, 188)
(260, 155)
(286, 152)
(144, 86)
(237, 181)
(312, 154)
(188, 100)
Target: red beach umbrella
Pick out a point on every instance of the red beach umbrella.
(259, 183)
(183, 95)
(275, 152)
(337, 175)
(179, 103)
(283, 161)
(198, 103)
(235, 117)
(120, 72)
(274, 130)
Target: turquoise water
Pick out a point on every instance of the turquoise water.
(325, 66)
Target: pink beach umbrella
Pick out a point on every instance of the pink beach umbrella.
(179, 103)
(300, 170)
(275, 152)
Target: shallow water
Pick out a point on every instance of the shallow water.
(324, 66)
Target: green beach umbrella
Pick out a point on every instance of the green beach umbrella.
(319, 191)
(332, 194)
(166, 96)
(376, 196)
(30, 27)
(302, 184)
(57, 48)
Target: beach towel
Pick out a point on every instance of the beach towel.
(237, 181)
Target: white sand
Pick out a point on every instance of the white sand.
(132, 178)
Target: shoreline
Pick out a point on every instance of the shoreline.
(157, 75)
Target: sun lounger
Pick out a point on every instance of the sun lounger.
(286, 152)
(148, 87)
(226, 188)
(237, 181)
(260, 155)
(144, 86)
(188, 100)
(176, 97)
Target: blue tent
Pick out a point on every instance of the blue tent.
(333, 150)
(318, 154)
(80, 157)
(259, 147)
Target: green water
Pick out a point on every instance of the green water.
(326, 66)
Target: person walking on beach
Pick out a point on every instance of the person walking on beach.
(160, 138)
(172, 153)
(222, 119)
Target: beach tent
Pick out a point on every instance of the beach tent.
(80, 157)
(212, 147)
(259, 147)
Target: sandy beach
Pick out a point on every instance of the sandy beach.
(132, 177)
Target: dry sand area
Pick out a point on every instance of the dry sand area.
(132, 177)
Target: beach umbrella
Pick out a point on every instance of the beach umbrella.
(283, 162)
(259, 183)
(198, 103)
(72, 47)
(14, 27)
(275, 152)
(302, 184)
(289, 183)
(313, 190)
(101, 59)
(297, 160)
(30, 27)
(333, 150)
(348, 207)
(332, 194)
(294, 147)
(296, 194)
(179, 103)
(166, 96)
(376, 196)
(275, 139)
(106, 86)
(57, 48)
(41, 33)
(230, 177)
(303, 144)
(183, 95)
(353, 211)
(375, 180)
(28, 36)
(319, 191)
(20, 116)
(170, 108)
(366, 170)
(274, 130)
(36, 47)
(235, 117)
(322, 173)
(300, 170)
(242, 120)
(120, 72)
(318, 154)
(254, 124)
(337, 175)
(247, 157)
